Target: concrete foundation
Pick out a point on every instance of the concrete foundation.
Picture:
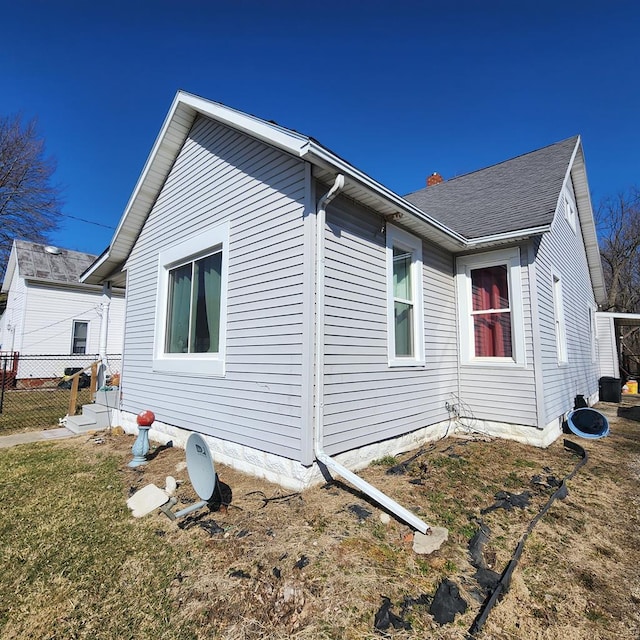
(292, 475)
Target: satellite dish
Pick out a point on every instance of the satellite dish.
(201, 473)
(200, 466)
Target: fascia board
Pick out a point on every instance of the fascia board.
(317, 154)
(521, 234)
(271, 133)
(587, 224)
(11, 267)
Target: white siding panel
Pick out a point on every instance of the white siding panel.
(47, 323)
(504, 394)
(222, 176)
(13, 317)
(607, 353)
(365, 400)
(562, 251)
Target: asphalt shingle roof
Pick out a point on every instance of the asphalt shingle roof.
(35, 262)
(513, 195)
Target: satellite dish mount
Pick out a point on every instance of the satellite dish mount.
(201, 473)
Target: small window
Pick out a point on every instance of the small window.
(561, 338)
(404, 311)
(191, 305)
(80, 333)
(489, 293)
(570, 212)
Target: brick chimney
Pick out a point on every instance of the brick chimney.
(434, 178)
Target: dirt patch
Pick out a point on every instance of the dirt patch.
(324, 564)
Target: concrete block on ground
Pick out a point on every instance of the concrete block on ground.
(147, 500)
(432, 541)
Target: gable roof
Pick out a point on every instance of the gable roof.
(514, 195)
(326, 165)
(46, 264)
(509, 203)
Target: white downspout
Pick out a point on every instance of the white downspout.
(104, 332)
(382, 499)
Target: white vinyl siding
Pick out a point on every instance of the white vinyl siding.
(561, 253)
(499, 389)
(365, 400)
(221, 176)
(45, 320)
(13, 317)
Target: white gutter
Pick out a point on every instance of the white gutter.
(321, 456)
(522, 234)
(104, 332)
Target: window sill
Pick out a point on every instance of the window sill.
(407, 363)
(494, 363)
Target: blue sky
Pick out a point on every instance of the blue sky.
(400, 89)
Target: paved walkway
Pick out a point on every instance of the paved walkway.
(35, 436)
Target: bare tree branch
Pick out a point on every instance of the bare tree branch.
(30, 204)
(618, 220)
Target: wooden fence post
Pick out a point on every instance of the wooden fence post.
(73, 400)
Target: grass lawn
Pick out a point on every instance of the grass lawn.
(276, 564)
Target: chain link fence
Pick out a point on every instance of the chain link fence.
(35, 390)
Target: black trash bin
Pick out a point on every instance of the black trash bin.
(610, 389)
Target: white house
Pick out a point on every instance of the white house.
(295, 311)
(50, 313)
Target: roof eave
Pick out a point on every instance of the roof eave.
(577, 171)
(508, 236)
(432, 228)
(174, 131)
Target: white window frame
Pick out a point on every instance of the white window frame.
(464, 266)
(198, 364)
(73, 334)
(559, 320)
(593, 333)
(396, 237)
(570, 211)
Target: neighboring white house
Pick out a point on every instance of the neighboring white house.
(50, 313)
(296, 311)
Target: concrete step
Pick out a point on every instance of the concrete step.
(99, 414)
(81, 424)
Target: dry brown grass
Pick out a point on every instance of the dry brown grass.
(578, 576)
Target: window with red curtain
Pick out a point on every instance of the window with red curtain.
(491, 312)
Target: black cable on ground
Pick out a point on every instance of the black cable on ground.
(505, 578)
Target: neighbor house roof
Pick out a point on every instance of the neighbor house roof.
(46, 263)
(521, 193)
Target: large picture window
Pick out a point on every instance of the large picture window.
(193, 317)
(404, 292)
(489, 292)
(191, 307)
